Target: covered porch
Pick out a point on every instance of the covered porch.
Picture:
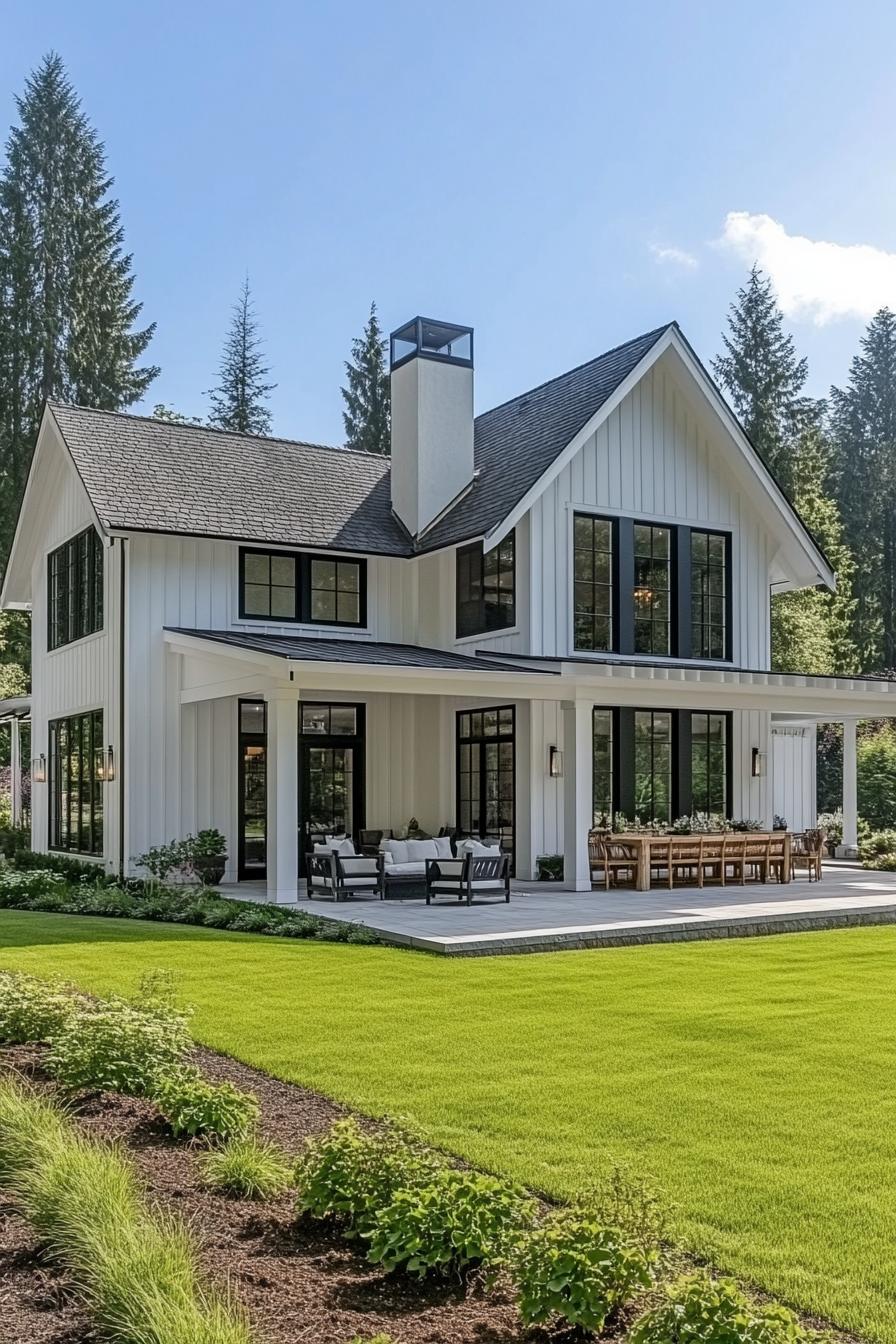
(274, 740)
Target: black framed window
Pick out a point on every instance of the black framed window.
(486, 587)
(602, 766)
(592, 582)
(709, 763)
(76, 770)
(313, 589)
(709, 595)
(653, 765)
(75, 589)
(651, 594)
(486, 774)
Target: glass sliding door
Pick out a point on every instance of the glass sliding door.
(602, 768)
(486, 774)
(709, 763)
(653, 765)
(253, 791)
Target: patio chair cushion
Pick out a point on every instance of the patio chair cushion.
(367, 882)
(479, 850)
(451, 868)
(485, 884)
(404, 869)
(336, 845)
(396, 851)
(360, 867)
(421, 850)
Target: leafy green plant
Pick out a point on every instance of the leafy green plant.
(112, 1045)
(572, 1266)
(634, 1206)
(458, 1218)
(247, 1167)
(137, 1272)
(700, 1310)
(349, 1174)
(33, 1009)
(194, 1106)
(15, 885)
(877, 843)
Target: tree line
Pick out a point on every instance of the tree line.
(71, 328)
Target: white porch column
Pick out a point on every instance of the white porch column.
(15, 770)
(850, 846)
(577, 800)
(283, 795)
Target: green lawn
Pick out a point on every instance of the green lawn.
(753, 1079)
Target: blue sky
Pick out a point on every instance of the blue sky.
(561, 176)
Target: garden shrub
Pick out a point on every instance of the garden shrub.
(457, 1219)
(114, 1046)
(194, 1106)
(876, 776)
(15, 886)
(876, 843)
(572, 1266)
(136, 1272)
(247, 1167)
(350, 1174)
(633, 1205)
(33, 1010)
(700, 1310)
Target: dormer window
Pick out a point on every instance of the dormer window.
(486, 588)
(279, 587)
(75, 589)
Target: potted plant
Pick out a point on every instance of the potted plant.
(779, 823)
(549, 868)
(208, 856)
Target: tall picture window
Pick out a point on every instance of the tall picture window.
(313, 589)
(652, 589)
(486, 588)
(653, 765)
(75, 589)
(602, 767)
(709, 763)
(592, 582)
(76, 771)
(709, 595)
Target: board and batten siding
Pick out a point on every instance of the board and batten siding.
(654, 458)
(79, 676)
(793, 771)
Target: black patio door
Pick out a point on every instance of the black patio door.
(253, 791)
(486, 774)
(332, 772)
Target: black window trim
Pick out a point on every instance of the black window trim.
(470, 548)
(96, 611)
(680, 644)
(304, 561)
(623, 766)
(53, 819)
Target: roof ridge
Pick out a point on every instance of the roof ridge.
(54, 402)
(520, 396)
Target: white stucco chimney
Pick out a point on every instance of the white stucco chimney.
(432, 418)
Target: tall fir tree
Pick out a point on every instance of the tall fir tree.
(367, 415)
(763, 376)
(67, 315)
(863, 426)
(240, 400)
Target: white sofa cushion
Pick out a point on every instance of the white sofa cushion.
(336, 844)
(353, 867)
(490, 884)
(396, 851)
(451, 867)
(443, 847)
(480, 851)
(365, 882)
(420, 850)
(399, 869)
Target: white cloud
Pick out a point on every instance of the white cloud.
(812, 278)
(674, 256)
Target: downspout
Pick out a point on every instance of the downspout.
(122, 648)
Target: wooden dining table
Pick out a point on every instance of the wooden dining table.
(640, 841)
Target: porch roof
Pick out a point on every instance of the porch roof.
(365, 652)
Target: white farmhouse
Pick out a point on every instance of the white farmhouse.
(556, 610)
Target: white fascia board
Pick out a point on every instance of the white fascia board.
(27, 537)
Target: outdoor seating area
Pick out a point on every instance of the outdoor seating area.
(640, 860)
(414, 868)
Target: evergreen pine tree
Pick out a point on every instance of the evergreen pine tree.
(763, 377)
(367, 414)
(863, 423)
(239, 402)
(66, 313)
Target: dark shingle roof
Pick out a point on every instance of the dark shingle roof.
(151, 475)
(363, 651)
(157, 476)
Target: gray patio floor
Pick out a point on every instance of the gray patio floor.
(545, 917)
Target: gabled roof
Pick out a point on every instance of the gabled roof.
(149, 475)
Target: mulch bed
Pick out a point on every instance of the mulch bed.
(298, 1279)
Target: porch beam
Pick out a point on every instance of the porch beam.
(577, 801)
(283, 795)
(849, 849)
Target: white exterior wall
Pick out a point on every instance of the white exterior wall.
(79, 676)
(793, 771)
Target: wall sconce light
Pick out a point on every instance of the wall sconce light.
(555, 762)
(39, 769)
(107, 764)
(757, 765)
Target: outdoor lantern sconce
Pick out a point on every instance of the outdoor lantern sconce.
(555, 762)
(39, 769)
(757, 767)
(107, 765)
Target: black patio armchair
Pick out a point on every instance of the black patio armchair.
(472, 875)
(337, 878)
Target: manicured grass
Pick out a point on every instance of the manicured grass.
(755, 1079)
